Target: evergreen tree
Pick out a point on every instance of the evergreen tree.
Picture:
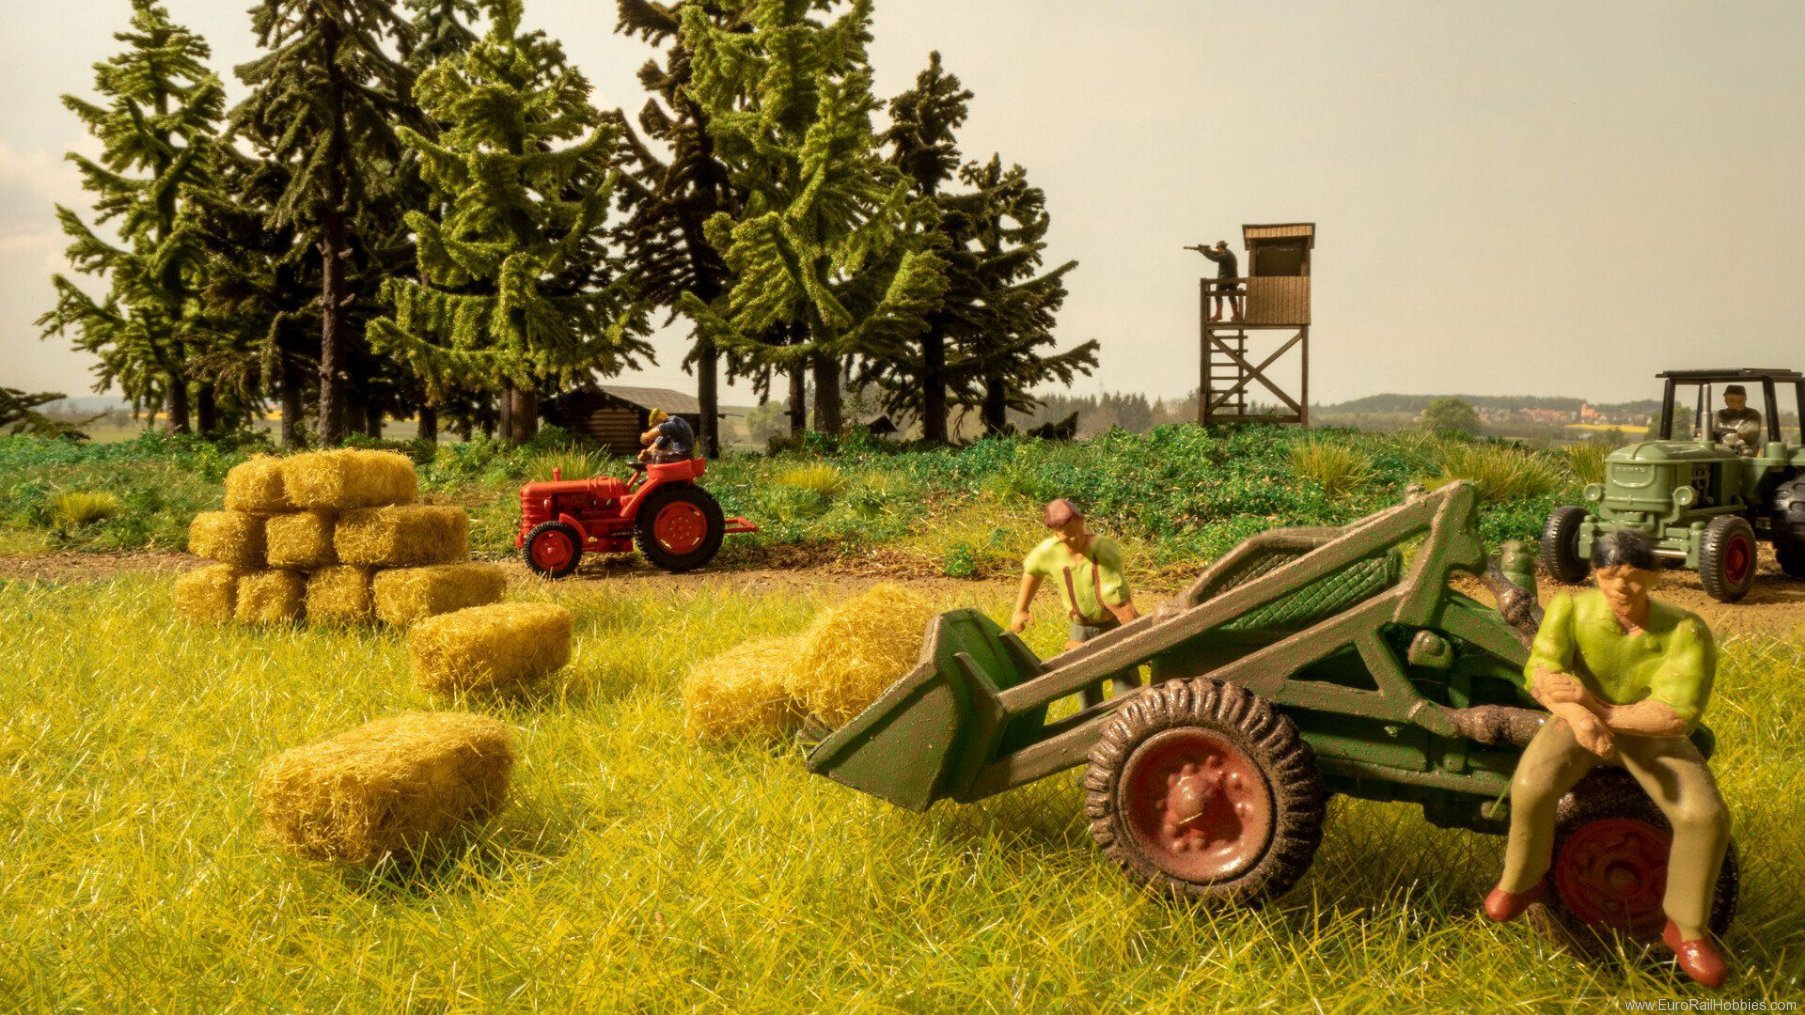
(821, 251)
(441, 29)
(325, 103)
(157, 123)
(517, 289)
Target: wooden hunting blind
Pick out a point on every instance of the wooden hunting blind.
(1275, 320)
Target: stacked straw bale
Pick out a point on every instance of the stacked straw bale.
(489, 648)
(393, 786)
(308, 535)
(740, 694)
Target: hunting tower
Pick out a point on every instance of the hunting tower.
(1265, 315)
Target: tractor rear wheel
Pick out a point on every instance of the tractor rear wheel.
(1726, 558)
(1788, 527)
(552, 549)
(1202, 790)
(1560, 546)
(679, 527)
(1610, 868)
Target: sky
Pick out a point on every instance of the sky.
(1511, 198)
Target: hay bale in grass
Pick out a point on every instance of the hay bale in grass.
(208, 595)
(270, 597)
(389, 787)
(740, 694)
(408, 595)
(486, 648)
(256, 485)
(228, 537)
(406, 535)
(348, 478)
(340, 595)
(302, 540)
(857, 649)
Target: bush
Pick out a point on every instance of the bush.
(1337, 468)
(1503, 472)
(79, 508)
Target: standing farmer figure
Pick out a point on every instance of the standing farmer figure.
(1087, 570)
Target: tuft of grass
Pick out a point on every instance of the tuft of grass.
(1585, 459)
(820, 479)
(568, 463)
(1338, 468)
(75, 509)
(1500, 471)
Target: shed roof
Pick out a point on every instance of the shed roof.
(1280, 231)
(674, 402)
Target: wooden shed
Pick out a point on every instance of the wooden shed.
(1278, 270)
(614, 415)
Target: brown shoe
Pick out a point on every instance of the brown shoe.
(1503, 907)
(1699, 959)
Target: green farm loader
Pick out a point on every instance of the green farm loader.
(1306, 662)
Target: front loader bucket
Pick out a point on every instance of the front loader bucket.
(933, 730)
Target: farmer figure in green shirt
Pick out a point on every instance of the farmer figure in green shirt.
(1626, 679)
(1087, 570)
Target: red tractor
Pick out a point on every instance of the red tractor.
(676, 524)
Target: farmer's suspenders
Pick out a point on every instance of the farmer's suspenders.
(1071, 592)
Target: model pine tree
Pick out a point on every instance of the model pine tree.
(325, 103)
(157, 121)
(517, 290)
(822, 249)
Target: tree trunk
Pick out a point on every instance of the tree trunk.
(290, 381)
(996, 406)
(708, 436)
(798, 402)
(206, 409)
(175, 405)
(428, 425)
(827, 395)
(372, 420)
(520, 414)
(933, 387)
(332, 321)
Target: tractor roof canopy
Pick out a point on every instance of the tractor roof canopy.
(1766, 395)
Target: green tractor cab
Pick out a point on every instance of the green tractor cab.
(1708, 495)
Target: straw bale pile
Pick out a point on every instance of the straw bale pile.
(487, 648)
(393, 786)
(340, 595)
(408, 595)
(270, 597)
(348, 478)
(228, 537)
(404, 535)
(301, 540)
(256, 485)
(208, 595)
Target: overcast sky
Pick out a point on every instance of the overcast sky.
(1548, 198)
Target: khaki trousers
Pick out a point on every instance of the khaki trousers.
(1672, 773)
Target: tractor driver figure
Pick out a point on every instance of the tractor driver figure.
(1087, 569)
(1737, 426)
(1626, 679)
(670, 439)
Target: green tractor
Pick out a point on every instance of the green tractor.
(1706, 497)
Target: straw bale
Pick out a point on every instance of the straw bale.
(270, 597)
(407, 595)
(857, 649)
(302, 540)
(393, 786)
(739, 694)
(348, 478)
(256, 485)
(403, 536)
(228, 537)
(489, 647)
(207, 594)
(339, 595)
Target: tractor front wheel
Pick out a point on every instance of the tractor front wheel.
(1609, 872)
(1726, 558)
(1560, 546)
(1788, 527)
(1202, 790)
(679, 527)
(552, 549)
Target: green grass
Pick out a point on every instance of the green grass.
(635, 872)
(1337, 468)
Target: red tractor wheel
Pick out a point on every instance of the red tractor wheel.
(679, 527)
(552, 549)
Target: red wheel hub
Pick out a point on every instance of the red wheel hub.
(553, 550)
(1612, 873)
(1197, 804)
(1739, 560)
(680, 527)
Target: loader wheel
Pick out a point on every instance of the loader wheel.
(552, 549)
(1560, 546)
(679, 527)
(1610, 868)
(1788, 527)
(1203, 790)
(1726, 558)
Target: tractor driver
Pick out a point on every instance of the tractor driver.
(670, 439)
(1737, 426)
(1626, 679)
(1088, 571)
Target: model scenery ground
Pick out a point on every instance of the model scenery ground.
(635, 870)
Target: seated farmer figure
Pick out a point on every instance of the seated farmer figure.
(1087, 569)
(1736, 425)
(1626, 679)
(670, 439)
